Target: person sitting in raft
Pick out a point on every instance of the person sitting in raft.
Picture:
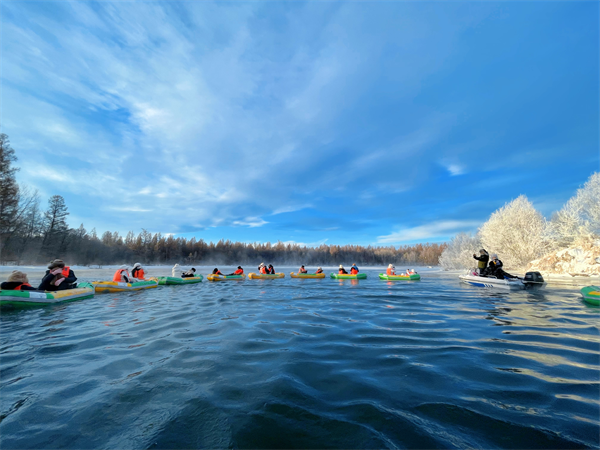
(138, 272)
(391, 270)
(239, 271)
(410, 272)
(302, 270)
(58, 277)
(262, 268)
(216, 271)
(175, 270)
(189, 274)
(271, 269)
(482, 261)
(353, 269)
(122, 275)
(17, 281)
(342, 271)
(319, 270)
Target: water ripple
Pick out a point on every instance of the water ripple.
(290, 363)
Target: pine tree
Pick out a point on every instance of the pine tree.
(9, 190)
(55, 227)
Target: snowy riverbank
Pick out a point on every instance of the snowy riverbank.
(581, 260)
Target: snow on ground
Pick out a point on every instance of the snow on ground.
(580, 260)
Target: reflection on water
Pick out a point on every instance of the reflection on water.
(304, 363)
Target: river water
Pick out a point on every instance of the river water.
(294, 363)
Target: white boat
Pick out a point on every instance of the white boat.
(531, 280)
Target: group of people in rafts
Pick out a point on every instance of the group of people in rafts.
(57, 278)
(490, 266)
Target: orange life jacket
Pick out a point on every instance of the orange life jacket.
(118, 275)
(390, 271)
(65, 271)
(353, 271)
(263, 269)
(319, 271)
(238, 272)
(139, 274)
(301, 270)
(18, 288)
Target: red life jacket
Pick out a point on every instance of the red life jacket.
(319, 271)
(218, 272)
(139, 274)
(18, 288)
(118, 274)
(238, 272)
(263, 269)
(390, 271)
(301, 270)
(65, 271)
(353, 271)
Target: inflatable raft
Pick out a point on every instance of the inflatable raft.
(41, 298)
(384, 276)
(265, 276)
(224, 277)
(531, 280)
(591, 295)
(103, 287)
(341, 276)
(307, 275)
(162, 281)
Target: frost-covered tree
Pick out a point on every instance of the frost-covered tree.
(579, 218)
(459, 253)
(516, 232)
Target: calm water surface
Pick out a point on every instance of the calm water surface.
(304, 364)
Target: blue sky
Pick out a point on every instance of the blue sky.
(380, 123)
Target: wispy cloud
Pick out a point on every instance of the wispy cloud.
(435, 230)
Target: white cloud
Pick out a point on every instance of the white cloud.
(433, 230)
(251, 222)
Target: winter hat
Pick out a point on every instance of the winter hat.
(390, 266)
(18, 276)
(319, 268)
(494, 256)
(137, 265)
(56, 263)
(341, 267)
(123, 267)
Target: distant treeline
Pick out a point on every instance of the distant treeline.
(29, 235)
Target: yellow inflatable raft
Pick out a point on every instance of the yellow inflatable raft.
(103, 287)
(265, 276)
(212, 277)
(307, 275)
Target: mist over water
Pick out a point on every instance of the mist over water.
(293, 363)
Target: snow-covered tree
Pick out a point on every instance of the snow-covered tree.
(459, 253)
(579, 218)
(516, 232)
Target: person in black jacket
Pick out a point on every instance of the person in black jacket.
(58, 277)
(482, 261)
(495, 267)
(17, 281)
(271, 269)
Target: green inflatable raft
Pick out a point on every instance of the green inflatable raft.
(43, 298)
(414, 276)
(163, 281)
(342, 276)
(591, 295)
